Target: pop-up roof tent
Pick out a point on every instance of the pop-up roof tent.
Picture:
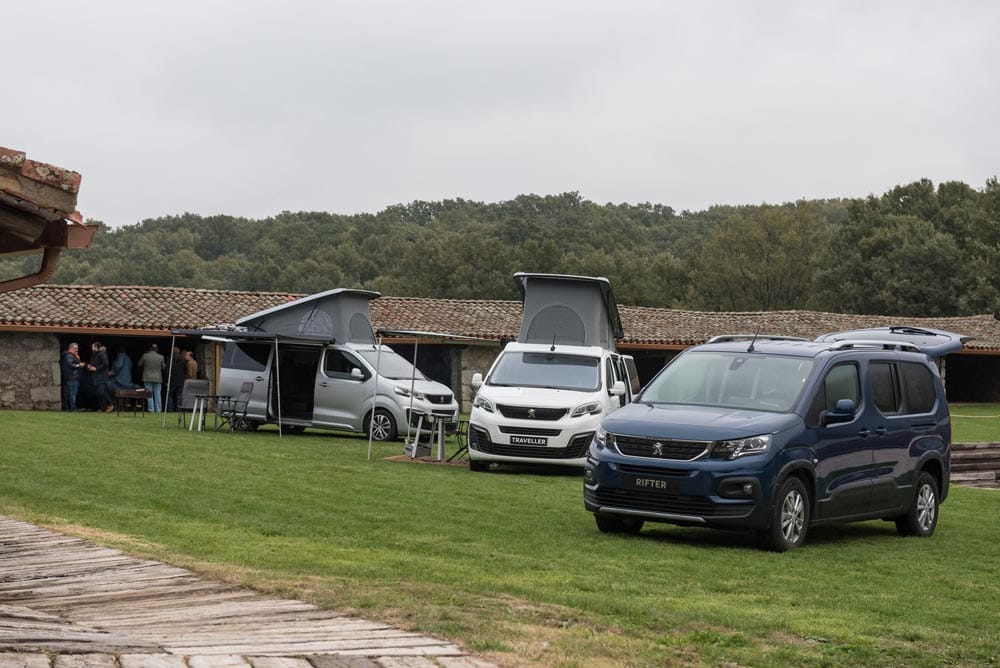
(568, 310)
(342, 315)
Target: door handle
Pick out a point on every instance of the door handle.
(880, 431)
(259, 379)
(324, 384)
(864, 432)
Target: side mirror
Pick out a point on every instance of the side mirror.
(618, 389)
(477, 381)
(357, 374)
(843, 411)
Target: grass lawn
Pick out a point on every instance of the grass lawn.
(975, 423)
(507, 564)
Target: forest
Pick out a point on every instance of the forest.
(916, 250)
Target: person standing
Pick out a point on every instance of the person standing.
(151, 365)
(72, 370)
(121, 372)
(99, 367)
(191, 365)
(175, 379)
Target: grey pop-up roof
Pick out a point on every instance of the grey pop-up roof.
(342, 315)
(568, 310)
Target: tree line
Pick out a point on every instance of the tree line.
(916, 250)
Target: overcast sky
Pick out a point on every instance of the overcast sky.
(253, 107)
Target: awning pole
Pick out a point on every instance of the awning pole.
(170, 373)
(371, 420)
(277, 383)
(413, 380)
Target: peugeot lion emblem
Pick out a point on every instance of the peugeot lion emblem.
(531, 413)
(658, 449)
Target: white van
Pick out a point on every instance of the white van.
(314, 362)
(546, 394)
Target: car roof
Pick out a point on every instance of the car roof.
(932, 343)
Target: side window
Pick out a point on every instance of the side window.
(633, 374)
(246, 356)
(919, 383)
(338, 364)
(609, 375)
(840, 382)
(885, 386)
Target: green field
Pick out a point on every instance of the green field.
(507, 564)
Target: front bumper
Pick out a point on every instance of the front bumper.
(716, 494)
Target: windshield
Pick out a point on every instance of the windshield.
(731, 380)
(390, 365)
(562, 372)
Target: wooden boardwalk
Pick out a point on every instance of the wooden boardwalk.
(67, 603)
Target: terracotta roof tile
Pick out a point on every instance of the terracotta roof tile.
(63, 307)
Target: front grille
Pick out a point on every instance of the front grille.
(438, 398)
(529, 413)
(530, 431)
(479, 439)
(683, 451)
(655, 502)
(652, 470)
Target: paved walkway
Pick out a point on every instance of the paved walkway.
(67, 603)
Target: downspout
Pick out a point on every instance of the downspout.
(44, 273)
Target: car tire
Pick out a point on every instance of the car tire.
(789, 518)
(478, 466)
(381, 426)
(921, 519)
(613, 524)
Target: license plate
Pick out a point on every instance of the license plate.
(529, 440)
(649, 484)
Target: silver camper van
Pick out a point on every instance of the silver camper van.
(314, 362)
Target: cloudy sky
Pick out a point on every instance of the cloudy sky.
(253, 107)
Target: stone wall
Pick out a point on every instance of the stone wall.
(474, 359)
(29, 371)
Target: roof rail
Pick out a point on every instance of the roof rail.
(725, 338)
(873, 343)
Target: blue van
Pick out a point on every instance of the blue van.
(777, 434)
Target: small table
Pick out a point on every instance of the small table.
(200, 407)
(134, 400)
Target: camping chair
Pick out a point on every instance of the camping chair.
(232, 411)
(462, 436)
(190, 391)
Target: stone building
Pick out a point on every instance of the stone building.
(457, 337)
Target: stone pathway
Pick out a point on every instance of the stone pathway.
(67, 603)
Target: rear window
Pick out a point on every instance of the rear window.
(920, 394)
(246, 356)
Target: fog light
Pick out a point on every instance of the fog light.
(747, 488)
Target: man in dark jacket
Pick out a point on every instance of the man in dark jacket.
(72, 370)
(99, 367)
(176, 380)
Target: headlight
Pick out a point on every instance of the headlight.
(405, 391)
(602, 439)
(740, 447)
(593, 408)
(482, 402)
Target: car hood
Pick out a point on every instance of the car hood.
(422, 386)
(695, 423)
(534, 396)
